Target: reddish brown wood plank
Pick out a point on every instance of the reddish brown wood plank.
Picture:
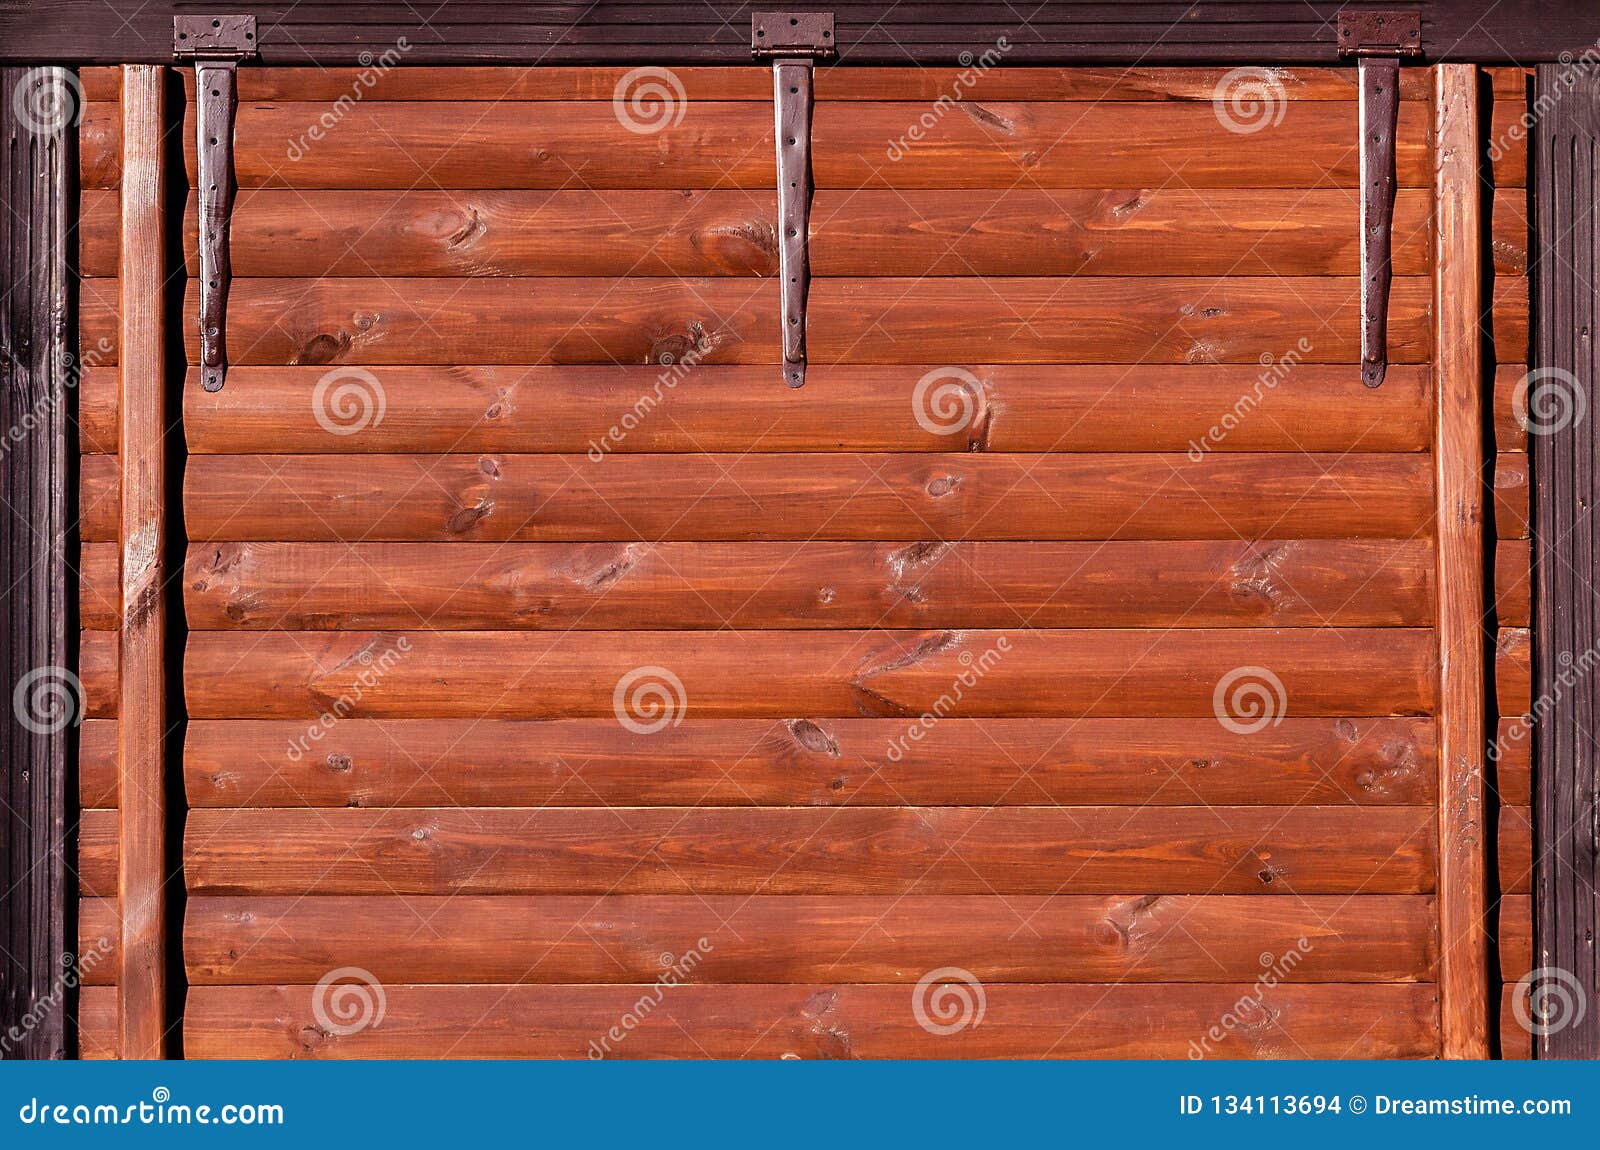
(99, 672)
(1516, 1041)
(620, 939)
(880, 497)
(688, 586)
(737, 674)
(1020, 1020)
(1458, 481)
(99, 932)
(99, 401)
(1516, 850)
(100, 144)
(142, 713)
(1511, 495)
(784, 851)
(99, 498)
(1510, 320)
(1510, 430)
(1084, 319)
(1513, 777)
(97, 763)
(612, 408)
(99, 324)
(382, 144)
(1513, 670)
(98, 851)
(959, 232)
(807, 762)
(97, 1022)
(99, 587)
(1513, 580)
(1515, 934)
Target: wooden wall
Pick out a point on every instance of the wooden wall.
(1091, 270)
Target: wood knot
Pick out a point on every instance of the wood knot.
(813, 738)
(338, 762)
(943, 485)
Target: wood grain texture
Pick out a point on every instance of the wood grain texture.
(627, 409)
(1458, 461)
(1510, 423)
(1516, 850)
(1513, 582)
(1515, 933)
(98, 851)
(808, 762)
(99, 672)
(777, 674)
(811, 1021)
(99, 936)
(1514, 762)
(620, 939)
(97, 763)
(688, 586)
(1085, 319)
(99, 323)
(1511, 498)
(99, 404)
(99, 498)
(98, 1025)
(1513, 670)
(142, 714)
(99, 587)
(913, 498)
(791, 851)
(383, 144)
(1516, 1042)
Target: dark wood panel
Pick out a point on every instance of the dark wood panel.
(658, 676)
(807, 762)
(621, 939)
(614, 408)
(689, 586)
(752, 497)
(854, 850)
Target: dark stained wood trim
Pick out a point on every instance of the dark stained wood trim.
(718, 31)
(37, 109)
(1566, 174)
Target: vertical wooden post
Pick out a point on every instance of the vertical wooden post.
(1458, 481)
(142, 711)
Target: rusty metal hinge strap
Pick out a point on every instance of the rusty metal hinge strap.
(216, 44)
(793, 41)
(1377, 40)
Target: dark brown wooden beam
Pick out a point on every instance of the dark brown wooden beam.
(37, 110)
(1562, 426)
(717, 31)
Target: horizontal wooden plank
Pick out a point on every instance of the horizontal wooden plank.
(99, 673)
(97, 1022)
(480, 144)
(1516, 1041)
(1515, 840)
(99, 586)
(751, 497)
(806, 762)
(100, 144)
(1019, 1021)
(787, 851)
(97, 853)
(1161, 231)
(688, 586)
(98, 326)
(1513, 670)
(853, 83)
(1515, 933)
(1086, 319)
(99, 498)
(97, 763)
(1510, 432)
(1510, 223)
(614, 408)
(99, 934)
(99, 402)
(666, 675)
(1513, 761)
(621, 939)
(1513, 581)
(1510, 321)
(1511, 495)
